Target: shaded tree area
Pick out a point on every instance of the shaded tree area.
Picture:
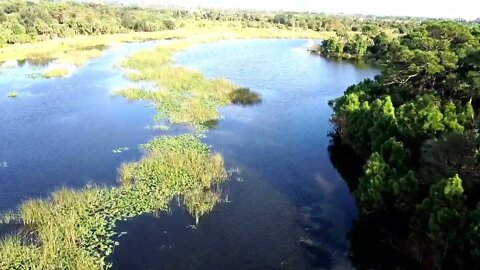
(416, 128)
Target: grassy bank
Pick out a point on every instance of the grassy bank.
(75, 229)
(77, 50)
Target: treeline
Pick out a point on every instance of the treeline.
(25, 21)
(370, 43)
(316, 22)
(416, 128)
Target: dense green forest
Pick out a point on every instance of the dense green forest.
(371, 43)
(415, 126)
(23, 21)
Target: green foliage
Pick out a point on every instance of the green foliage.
(420, 119)
(368, 126)
(387, 180)
(384, 125)
(372, 186)
(355, 46)
(416, 126)
(443, 214)
(332, 47)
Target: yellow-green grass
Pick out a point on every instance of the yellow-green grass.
(56, 73)
(75, 229)
(79, 49)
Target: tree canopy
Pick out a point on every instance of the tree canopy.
(416, 126)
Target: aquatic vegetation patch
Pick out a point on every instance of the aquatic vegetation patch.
(79, 57)
(183, 96)
(75, 229)
(245, 97)
(56, 73)
(12, 94)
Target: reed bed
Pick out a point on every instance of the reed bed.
(76, 229)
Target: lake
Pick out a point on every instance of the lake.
(288, 209)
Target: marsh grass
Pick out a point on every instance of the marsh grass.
(183, 96)
(12, 94)
(56, 73)
(245, 97)
(75, 229)
(79, 57)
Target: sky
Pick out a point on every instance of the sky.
(468, 9)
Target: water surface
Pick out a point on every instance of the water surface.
(291, 210)
(61, 132)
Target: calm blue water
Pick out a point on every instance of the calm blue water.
(291, 210)
(61, 132)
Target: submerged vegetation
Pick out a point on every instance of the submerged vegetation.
(183, 96)
(75, 229)
(56, 73)
(416, 128)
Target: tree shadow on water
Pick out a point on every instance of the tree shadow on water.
(345, 160)
(374, 238)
